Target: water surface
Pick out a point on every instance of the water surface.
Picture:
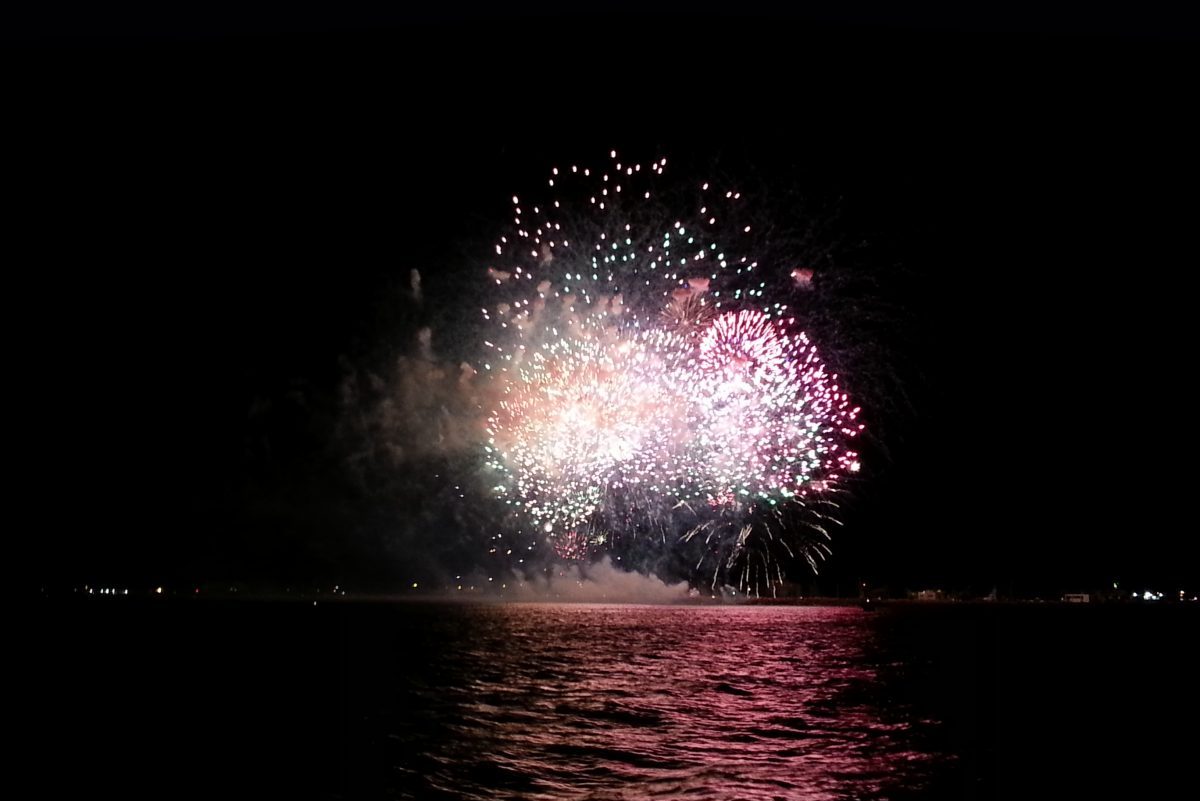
(598, 702)
(540, 701)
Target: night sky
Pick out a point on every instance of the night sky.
(219, 216)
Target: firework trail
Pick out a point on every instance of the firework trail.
(646, 389)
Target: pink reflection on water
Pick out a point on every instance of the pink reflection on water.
(598, 702)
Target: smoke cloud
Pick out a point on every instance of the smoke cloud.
(598, 582)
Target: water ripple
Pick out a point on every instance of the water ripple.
(618, 702)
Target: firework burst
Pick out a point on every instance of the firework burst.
(645, 389)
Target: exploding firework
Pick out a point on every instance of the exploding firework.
(586, 418)
(647, 390)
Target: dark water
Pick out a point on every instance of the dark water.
(445, 701)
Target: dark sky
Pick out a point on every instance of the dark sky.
(219, 213)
